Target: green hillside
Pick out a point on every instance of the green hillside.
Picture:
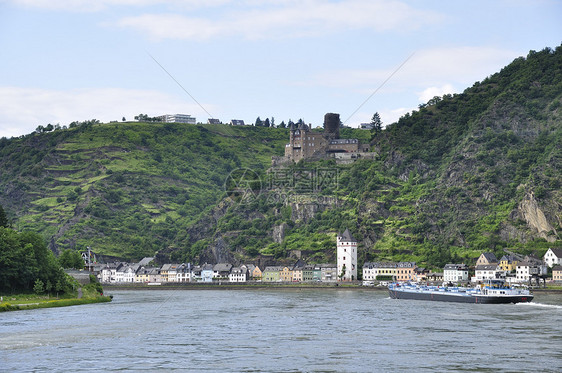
(125, 189)
(471, 172)
(466, 173)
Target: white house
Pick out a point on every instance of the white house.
(183, 273)
(221, 270)
(346, 257)
(173, 272)
(119, 275)
(523, 271)
(455, 273)
(485, 272)
(553, 257)
(129, 274)
(369, 271)
(238, 274)
(328, 272)
(108, 272)
(206, 273)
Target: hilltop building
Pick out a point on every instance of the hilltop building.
(304, 143)
(178, 118)
(346, 256)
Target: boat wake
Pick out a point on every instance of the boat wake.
(542, 305)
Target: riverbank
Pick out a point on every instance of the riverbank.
(18, 305)
(240, 286)
(265, 285)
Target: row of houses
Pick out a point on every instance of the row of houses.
(511, 267)
(142, 272)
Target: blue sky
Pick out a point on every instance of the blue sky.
(70, 60)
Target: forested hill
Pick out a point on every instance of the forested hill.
(471, 172)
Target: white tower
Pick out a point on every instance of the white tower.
(347, 257)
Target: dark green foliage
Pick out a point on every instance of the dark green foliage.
(71, 259)
(27, 264)
(3, 218)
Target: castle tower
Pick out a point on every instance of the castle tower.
(332, 125)
(347, 256)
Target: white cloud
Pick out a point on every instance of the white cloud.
(99, 5)
(281, 19)
(435, 67)
(23, 109)
(431, 92)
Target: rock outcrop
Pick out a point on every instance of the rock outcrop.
(529, 211)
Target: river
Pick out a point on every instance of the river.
(308, 330)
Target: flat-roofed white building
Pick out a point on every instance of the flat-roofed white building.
(178, 118)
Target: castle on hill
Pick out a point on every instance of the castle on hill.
(307, 144)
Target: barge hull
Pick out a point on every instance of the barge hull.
(439, 297)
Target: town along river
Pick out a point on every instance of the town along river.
(307, 330)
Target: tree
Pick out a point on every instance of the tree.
(258, 123)
(123, 119)
(272, 122)
(49, 127)
(343, 271)
(3, 218)
(48, 287)
(58, 287)
(266, 123)
(376, 122)
(282, 125)
(71, 259)
(38, 287)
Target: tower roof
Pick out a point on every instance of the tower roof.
(346, 236)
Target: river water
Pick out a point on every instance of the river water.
(307, 330)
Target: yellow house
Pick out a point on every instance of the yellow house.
(508, 263)
(286, 275)
(142, 275)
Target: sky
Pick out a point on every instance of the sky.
(74, 60)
